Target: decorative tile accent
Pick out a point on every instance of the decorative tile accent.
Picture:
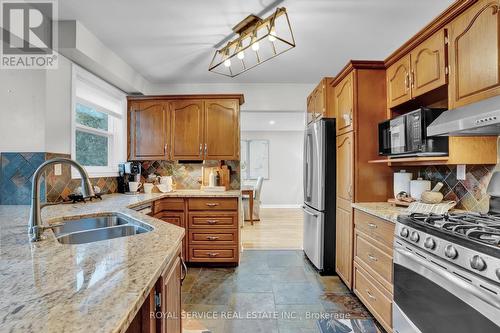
(16, 171)
(188, 175)
(469, 193)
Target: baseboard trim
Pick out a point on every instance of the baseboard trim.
(281, 206)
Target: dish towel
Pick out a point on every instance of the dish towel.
(423, 208)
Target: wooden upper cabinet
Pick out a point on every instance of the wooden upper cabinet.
(345, 170)
(310, 108)
(222, 130)
(344, 104)
(187, 129)
(398, 82)
(474, 54)
(149, 130)
(428, 65)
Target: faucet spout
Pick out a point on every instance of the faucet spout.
(35, 222)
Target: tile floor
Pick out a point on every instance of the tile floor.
(271, 291)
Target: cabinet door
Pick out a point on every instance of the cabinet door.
(398, 82)
(343, 246)
(345, 167)
(474, 55)
(171, 299)
(148, 130)
(178, 219)
(319, 101)
(187, 129)
(428, 65)
(222, 130)
(344, 104)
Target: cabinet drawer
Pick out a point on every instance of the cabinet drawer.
(213, 203)
(213, 236)
(176, 204)
(213, 220)
(379, 302)
(375, 258)
(207, 253)
(378, 229)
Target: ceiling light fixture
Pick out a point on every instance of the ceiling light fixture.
(258, 41)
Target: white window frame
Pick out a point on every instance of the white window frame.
(117, 124)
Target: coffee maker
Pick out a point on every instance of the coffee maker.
(128, 172)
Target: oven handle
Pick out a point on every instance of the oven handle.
(414, 261)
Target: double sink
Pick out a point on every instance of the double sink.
(93, 229)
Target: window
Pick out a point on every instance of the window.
(98, 125)
(254, 159)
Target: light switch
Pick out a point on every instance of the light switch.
(58, 169)
(461, 172)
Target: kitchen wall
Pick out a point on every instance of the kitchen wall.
(284, 186)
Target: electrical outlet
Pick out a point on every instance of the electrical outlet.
(461, 172)
(57, 169)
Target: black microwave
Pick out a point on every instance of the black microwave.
(406, 135)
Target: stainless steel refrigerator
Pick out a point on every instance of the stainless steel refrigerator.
(319, 194)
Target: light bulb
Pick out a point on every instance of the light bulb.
(272, 35)
(227, 62)
(241, 55)
(255, 46)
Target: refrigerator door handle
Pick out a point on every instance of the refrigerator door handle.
(308, 212)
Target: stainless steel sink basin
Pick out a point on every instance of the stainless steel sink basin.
(88, 230)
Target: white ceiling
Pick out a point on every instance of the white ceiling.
(171, 41)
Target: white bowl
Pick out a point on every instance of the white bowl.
(164, 188)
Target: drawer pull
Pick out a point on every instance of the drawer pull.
(212, 238)
(372, 257)
(212, 204)
(212, 254)
(212, 221)
(372, 225)
(370, 295)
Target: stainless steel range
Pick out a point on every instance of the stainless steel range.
(447, 273)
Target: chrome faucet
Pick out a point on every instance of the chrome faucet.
(35, 224)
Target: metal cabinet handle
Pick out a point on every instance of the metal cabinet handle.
(206, 149)
(212, 254)
(184, 270)
(349, 191)
(212, 238)
(407, 81)
(201, 145)
(372, 257)
(370, 295)
(212, 221)
(372, 225)
(412, 79)
(212, 204)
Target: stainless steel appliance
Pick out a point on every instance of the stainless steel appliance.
(447, 273)
(128, 172)
(319, 194)
(406, 135)
(480, 118)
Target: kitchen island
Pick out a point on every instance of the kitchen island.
(93, 287)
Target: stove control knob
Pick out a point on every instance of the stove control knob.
(404, 232)
(430, 243)
(478, 263)
(414, 236)
(450, 252)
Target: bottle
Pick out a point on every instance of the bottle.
(212, 178)
(217, 178)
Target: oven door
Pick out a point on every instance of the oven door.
(431, 295)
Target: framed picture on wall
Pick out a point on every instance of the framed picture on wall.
(255, 159)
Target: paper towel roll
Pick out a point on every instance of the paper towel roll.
(402, 182)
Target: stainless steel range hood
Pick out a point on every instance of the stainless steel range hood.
(477, 119)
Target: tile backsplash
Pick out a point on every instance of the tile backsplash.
(470, 194)
(16, 173)
(188, 175)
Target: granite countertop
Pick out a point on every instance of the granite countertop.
(93, 287)
(384, 210)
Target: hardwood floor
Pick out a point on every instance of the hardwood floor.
(277, 229)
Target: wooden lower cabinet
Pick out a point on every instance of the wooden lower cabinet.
(211, 224)
(373, 260)
(343, 246)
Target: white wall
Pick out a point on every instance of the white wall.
(284, 186)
